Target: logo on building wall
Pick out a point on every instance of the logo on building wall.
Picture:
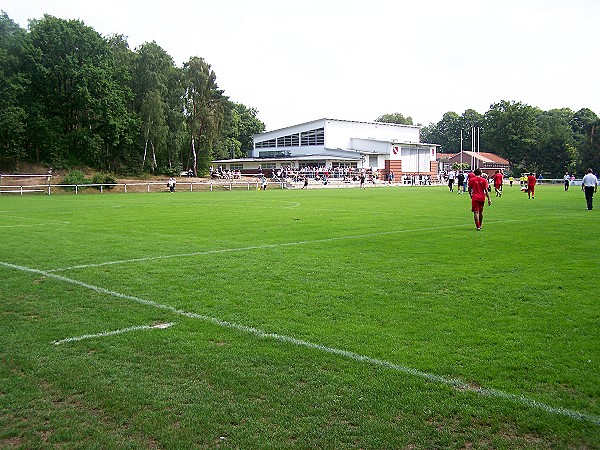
(395, 150)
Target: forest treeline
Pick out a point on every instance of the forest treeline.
(549, 142)
(69, 96)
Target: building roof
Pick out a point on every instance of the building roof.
(445, 155)
(487, 157)
(290, 158)
(339, 120)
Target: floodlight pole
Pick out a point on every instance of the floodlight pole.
(461, 147)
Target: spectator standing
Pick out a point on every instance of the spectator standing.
(451, 180)
(589, 185)
(567, 181)
(460, 181)
(171, 184)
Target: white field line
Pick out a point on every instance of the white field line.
(29, 225)
(266, 246)
(159, 326)
(60, 222)
(44, 224)
(452, 382)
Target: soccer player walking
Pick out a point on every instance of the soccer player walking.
(478, 190)
(531, 181)
(498, 179)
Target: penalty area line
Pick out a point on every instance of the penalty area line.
(454, 383)
(160, 326)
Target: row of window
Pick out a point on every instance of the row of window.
(305, 138)
(272, 165)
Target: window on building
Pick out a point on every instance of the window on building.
(236, 166)
(313, 137)
(291, 140)
(344, 165)
(415, 159)
(266, 144)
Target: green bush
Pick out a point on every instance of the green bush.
(75, 177)
(102, 178)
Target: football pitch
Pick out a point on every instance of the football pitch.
(322, 318)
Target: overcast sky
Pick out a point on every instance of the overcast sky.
(356, 60)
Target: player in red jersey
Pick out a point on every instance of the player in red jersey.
(531, 180)
(478, 190)
(498, 179)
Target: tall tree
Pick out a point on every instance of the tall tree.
(125, 157)
(556, 150)
(13, 85)
(511, 129)
(586, 129)
(445, 133)
(395, 118)
(151, 77)
(206, 109)
(242, 124)
(78, 110)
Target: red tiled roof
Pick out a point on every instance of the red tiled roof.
(489, 157)
(445, 155)
(484, 157)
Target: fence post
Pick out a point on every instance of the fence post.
(75, 189)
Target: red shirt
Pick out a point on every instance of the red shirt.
(531, 180)
(477, 188)
(498, 177)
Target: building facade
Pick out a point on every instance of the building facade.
(485, 161)
(332, 143)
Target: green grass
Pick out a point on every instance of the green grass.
(343, 318)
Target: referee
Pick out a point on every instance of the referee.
(589, 185)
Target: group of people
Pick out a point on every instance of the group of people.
(225, 174)
(416, 179)
(479, 190)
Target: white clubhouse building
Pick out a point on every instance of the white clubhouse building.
(335, 144)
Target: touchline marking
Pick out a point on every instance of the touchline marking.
(159, 326)
(452, 382)
(266, 246)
